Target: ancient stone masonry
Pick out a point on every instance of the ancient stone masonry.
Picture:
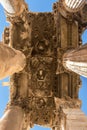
(40, 69)
(76, 59)
(11, 60)
(45, 89)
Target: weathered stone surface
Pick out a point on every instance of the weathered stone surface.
(13, 8)
(12, 119)
(73, 5)
(74, 119)
(11, 61)
(76, 60)
(44, 88)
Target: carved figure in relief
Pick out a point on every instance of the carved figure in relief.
(37, 57)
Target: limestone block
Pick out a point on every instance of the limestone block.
(12, 119)
(11, 61)
(76, 60)
(75, 119)
(13, 7)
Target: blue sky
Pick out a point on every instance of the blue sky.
(37, 6)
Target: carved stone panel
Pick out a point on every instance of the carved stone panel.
(43, 38)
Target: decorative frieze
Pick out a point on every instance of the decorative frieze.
(44, 87)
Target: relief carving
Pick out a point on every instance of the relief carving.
(44, 87)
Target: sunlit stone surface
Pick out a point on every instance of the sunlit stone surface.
(13, 7)
(75, 119)
(74, 5)
(11, 61)
(76, 60)
(12, 119)
(43, 93)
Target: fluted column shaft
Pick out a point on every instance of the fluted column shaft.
(76, 60)
(12, 119)
(13, 7)
(73, 5)
(11, 61)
